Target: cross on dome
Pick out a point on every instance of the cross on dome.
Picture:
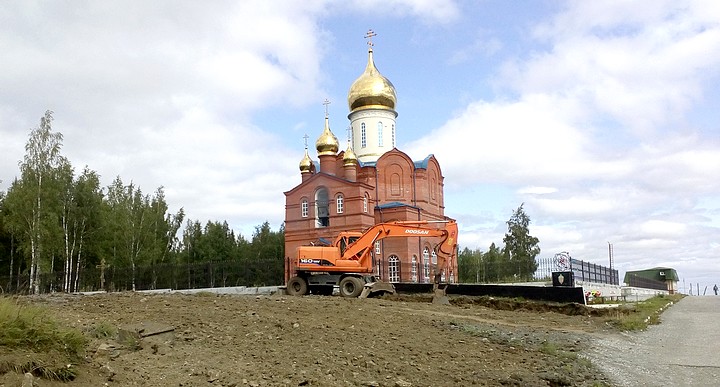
(326, 103)
(369, 35)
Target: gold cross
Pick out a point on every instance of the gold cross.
(326, 103)
(369, 35)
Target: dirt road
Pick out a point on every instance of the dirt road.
(684, 350)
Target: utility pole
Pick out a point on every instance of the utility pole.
(612, 263)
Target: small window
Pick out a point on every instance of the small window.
(377, 247)
(380, 133)
(340, 204)
(365, 204)
(393, 135)
(394, 269)
(304, 208)
(363, 136)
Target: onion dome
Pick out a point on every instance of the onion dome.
(327, 143)
(349, 158)
(305, 163)
(371, 90)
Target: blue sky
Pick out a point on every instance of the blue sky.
(602, 117)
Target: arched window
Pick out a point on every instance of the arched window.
(339, 201)
(304, 208)
(363, 136)
(394, 269)
(393, 135)
(395, 184)
(380, 133)
(413, 269)
(377, 247)
(365, 203)
(426, 265)
(433, 260)
(322, 212)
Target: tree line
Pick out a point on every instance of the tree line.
(53, 220)
(515, 261)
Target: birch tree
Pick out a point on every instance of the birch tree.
(33, 199)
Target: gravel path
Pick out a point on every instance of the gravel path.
(684, 350)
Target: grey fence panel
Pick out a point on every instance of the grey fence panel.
(582, 271)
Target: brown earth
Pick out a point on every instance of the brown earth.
(210, 340)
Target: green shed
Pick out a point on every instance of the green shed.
(665, 275)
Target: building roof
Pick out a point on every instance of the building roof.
(394, 205)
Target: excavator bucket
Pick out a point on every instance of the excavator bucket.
(439, 295)
(376, 289)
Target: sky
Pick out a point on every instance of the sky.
(601, 118)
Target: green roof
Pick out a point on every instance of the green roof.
(656, 273)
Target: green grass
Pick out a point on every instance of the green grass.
(42, 346)
(645, 313)
(31, 327)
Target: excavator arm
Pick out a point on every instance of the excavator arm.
(361, 249)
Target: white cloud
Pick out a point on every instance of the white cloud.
(430, 11)
(599, 114)
(163, 95)
(536, 190)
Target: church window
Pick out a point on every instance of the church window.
(393, 135)
(426, 265)
(340, 204)
(380, 134)
(395, 184)
(433, 186)
(304, 208)
(413, 269)
(322, 212)
(363, 136)
(394, 269)
(365, 203)
(377, 247)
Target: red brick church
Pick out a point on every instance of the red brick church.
(369, 182)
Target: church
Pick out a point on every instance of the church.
(369, 182)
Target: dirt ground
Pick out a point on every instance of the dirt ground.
(211, 340)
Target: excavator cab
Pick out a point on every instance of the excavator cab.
(346, 241)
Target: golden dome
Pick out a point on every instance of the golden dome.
(327, 143)
(349, 158)
(305, 163)
(371, 89)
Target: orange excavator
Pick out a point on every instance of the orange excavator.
(348, 261)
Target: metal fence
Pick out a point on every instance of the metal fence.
(647, 283)
(256, 272)
(582, 271)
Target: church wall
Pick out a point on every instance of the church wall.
(395, 182)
